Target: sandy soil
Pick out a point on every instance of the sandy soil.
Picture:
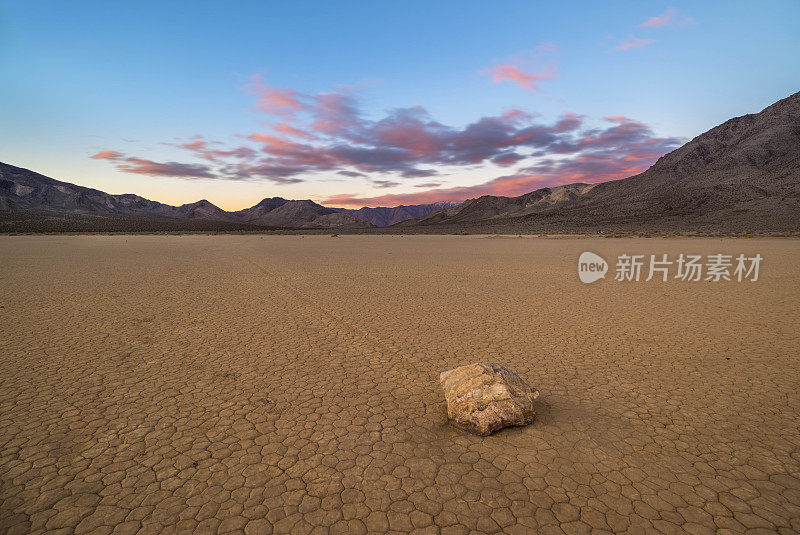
(283, 383)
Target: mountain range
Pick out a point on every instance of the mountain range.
(384, 216)
(33, 200)
(30, 200)
(741, 176)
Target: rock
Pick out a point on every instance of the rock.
(482, 398)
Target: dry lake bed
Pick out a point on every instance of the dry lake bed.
(288, 384)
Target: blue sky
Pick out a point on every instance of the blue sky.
(376, 103)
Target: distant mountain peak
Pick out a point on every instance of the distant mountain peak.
(270, 200)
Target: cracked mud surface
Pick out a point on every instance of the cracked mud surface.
(282, 384)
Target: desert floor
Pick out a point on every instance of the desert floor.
(289, 384)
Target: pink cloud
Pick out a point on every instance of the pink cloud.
(518, 70)
(106, 155)
(670, 17)
(409, 129)
(526, 80)
(194, 145)
(634, 43)
(239, 152)
(516, 115)
(201, 149)
(505, 160)
(330, 114)
(335, 113)
(283, 147)
(568, 122)
(289, 130)
(617, 118)
(274, 100)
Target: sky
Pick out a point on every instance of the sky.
(375, 103)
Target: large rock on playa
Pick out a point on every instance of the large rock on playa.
(482, 398)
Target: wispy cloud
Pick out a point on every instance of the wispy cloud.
(289, 130)
(274, 100)
(547, 47)
(670, 17)
(384, 183)
(141, 166)
(526, 80)
(634, 43)
(520, 69)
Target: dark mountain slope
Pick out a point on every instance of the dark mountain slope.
(23, 190)
(204, 210)
(303, 214)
